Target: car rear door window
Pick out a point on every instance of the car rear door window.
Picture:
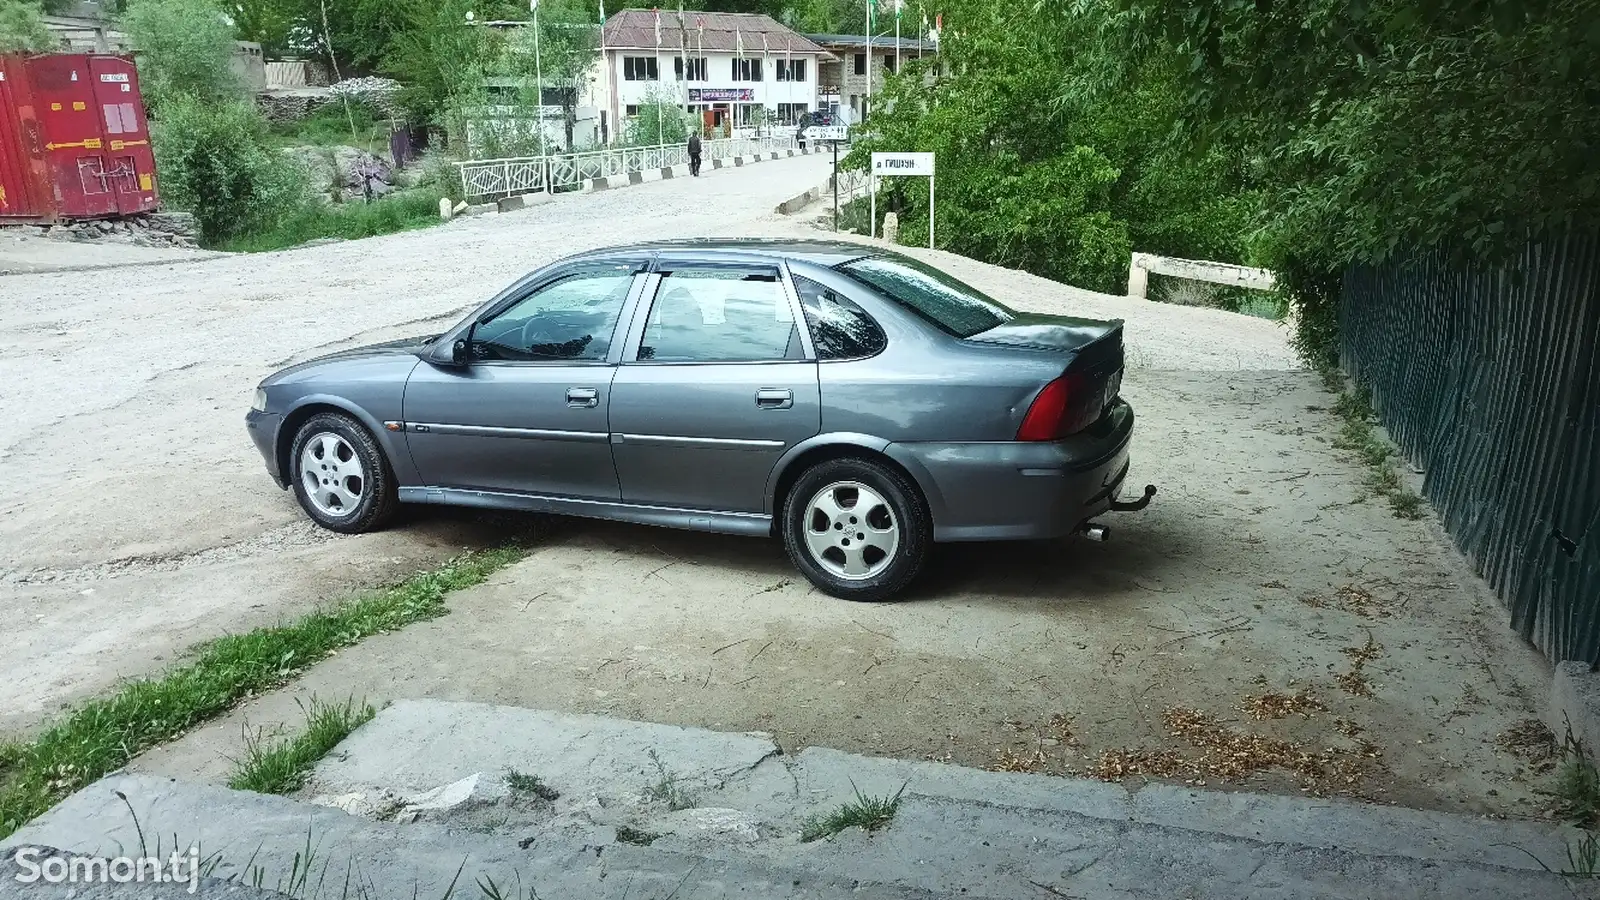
(720, 315)
(953, 307)
(570, 319)
(839, 328)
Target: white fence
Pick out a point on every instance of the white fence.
(1144, 264)
(489, 179)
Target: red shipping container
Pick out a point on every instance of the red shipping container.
(74, 140)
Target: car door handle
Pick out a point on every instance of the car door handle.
(775, 398)
(583, 397)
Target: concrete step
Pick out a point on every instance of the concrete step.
(424, 789)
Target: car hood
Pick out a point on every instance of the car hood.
(400, 347)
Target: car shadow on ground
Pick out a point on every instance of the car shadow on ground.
(1142, 558)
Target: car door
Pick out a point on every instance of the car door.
(527, 414)
(717, 382)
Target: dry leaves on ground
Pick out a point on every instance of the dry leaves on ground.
(1354, 682)
(1278, 706)
(1231, 754)
(1531, 741)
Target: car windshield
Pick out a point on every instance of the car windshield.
(955, 308)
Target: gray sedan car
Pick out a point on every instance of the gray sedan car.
(855, 403)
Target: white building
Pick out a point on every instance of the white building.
(722, 67)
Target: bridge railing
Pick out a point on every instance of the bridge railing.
(491, 179)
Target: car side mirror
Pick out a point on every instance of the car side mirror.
(460, 352)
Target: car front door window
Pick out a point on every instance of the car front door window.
(571, 320)
(717, 316)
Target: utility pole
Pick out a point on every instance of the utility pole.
(538, 93)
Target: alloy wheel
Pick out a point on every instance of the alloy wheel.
(332, 474)
(851, 531)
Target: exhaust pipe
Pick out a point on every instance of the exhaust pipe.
(1096, 532)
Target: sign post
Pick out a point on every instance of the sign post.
(833, 134)
(897, 164)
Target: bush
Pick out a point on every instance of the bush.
(22, 27)
(185, 49)
(215, 160)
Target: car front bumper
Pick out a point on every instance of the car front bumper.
(263, 428)
(1022, 490)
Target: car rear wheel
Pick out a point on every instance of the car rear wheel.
(857, 529)
(341, 477)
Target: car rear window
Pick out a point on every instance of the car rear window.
(955, 308)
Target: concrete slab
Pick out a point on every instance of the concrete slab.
(26, 871)
(957, 832)
(417, 745)
(1575, 704)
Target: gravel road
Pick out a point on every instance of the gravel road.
(135, 516)
(136, 520)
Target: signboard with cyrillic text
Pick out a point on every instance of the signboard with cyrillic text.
(902, 164)
(828, 133)
(890, 165)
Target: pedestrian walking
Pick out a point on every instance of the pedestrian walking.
(694, 155)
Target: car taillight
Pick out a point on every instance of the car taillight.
(1065, 406)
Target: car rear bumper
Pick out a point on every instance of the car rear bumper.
(263, 428)
(1017, 490)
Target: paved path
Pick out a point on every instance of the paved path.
(135, 517)
(423, 800)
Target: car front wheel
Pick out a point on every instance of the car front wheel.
(857, 529)
(340, 475)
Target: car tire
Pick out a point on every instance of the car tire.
(340, 475)
(893, 530)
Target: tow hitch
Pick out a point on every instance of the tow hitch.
(1135, 505)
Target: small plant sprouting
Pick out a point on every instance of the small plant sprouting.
(1354, 406)
(870, 813)
(523, 783)
(668, 791)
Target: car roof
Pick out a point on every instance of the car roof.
(822, 253)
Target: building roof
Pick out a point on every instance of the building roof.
(635, 29)
(859, 42)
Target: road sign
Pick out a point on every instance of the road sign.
(897, 164)
(902, 164)
(828, 133)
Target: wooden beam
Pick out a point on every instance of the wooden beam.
(1145, 264)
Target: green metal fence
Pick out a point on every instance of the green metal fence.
(1488, 377)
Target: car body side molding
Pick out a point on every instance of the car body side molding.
(749, 524)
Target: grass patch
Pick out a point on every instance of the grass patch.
(630, 835)
(330, 127)
(1357, 434)
(871, 813)
(282, 768)
(400, 211)
(102, 735)
(523, 783)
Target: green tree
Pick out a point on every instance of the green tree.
(1042, 164)
(22, 28)
(216, 160)
(1398, 124)
(568, 38)
(661, 120)
(442, 60)
(270, 23)
(185, 49)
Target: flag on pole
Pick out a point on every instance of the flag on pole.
(899, 7)
(658, 27)
(738, 41)
(602, 15)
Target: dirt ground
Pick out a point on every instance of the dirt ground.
(136, 520)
